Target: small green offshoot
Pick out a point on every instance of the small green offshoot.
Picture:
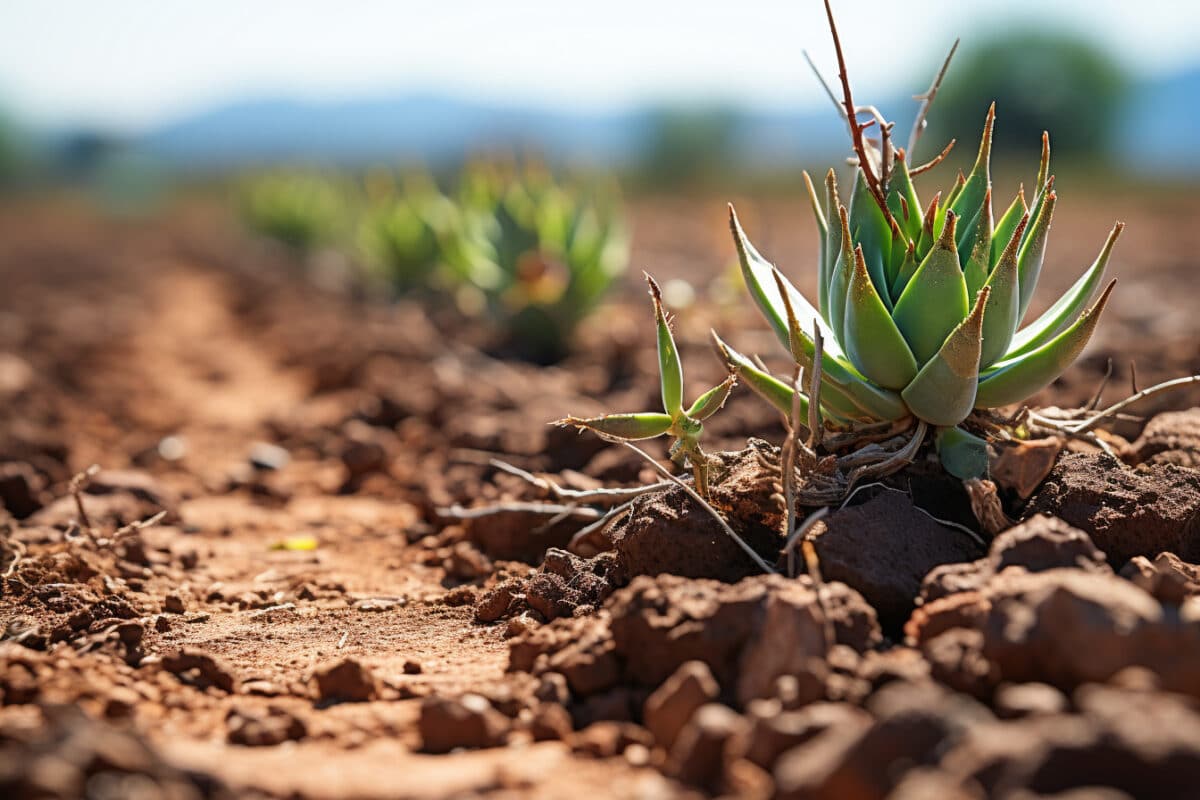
(684, 425)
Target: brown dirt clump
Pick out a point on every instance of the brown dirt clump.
(1127, 512)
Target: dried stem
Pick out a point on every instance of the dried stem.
(933, 162)
(458, 512)
(618, 495)
(1095, 401)
(816, 428)
(1093, 421)
(926, 101)
(75, 487)
(787, 467)
(856, 129)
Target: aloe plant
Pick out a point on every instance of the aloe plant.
(543, 254)
(921, 312)
(407, 238)
(301, 210)
(684, 425)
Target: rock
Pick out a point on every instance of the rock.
(913, 722)
(565, 586)
(496, 603)
(1145, 745)
(469, 721)
(552, 688)
(466, 563)
(550, 721)
(256, 728)
(926, 783)
(1170, 438)
(521, 535)
(670, 707)
(659, 623)
(198, 669)
(412, 667)
(789, 639)
(18, 494)
(668, 532)
(173, 603)
(884, 548)
(606, 739)
(71, 755)
(1041, 543)
(772, 730)
(698, 753)
(346, 681)
(268, 457)
(1063, 627)
(1126, 512)
(1168, 578)
(1014, 701)
(948, 579)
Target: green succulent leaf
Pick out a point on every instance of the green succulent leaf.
(871, 338)
(822, 232)
(764, 384)
(929, 222)
(979, 260)
(901, 189)
(1033, 250)
(968, 202)
(711, 401)
(1044, 165)
(669, 366)
(907, 267)
(1015, 379)
(943, 393)
(870, 230)
(624, 427)
(935, 300)
(839, 279)
(1001, 318)
(1007, 224)
(1068, 307)
(833, 244)
(963, 454)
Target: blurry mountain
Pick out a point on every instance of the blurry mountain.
(440, 130)
(1161, 125)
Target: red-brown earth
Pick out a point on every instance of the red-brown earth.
(304, 622)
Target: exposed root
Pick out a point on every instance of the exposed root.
(602, 496)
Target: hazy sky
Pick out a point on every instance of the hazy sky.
(132, 63)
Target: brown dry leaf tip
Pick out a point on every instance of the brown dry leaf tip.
(947, 239)
(931, 212)
(656, 296)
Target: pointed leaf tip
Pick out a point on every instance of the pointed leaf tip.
(946, 240)
(1014, 380)
(670, 368)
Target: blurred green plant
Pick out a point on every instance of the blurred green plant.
(540, 254)
(302, 210)
(407, 232)
(1041, 79)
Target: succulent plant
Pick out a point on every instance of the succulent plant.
(684, 425)
(541, 253)
(920, 313)
(301, 210)
(407, 237)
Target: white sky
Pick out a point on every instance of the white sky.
(127, 64)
